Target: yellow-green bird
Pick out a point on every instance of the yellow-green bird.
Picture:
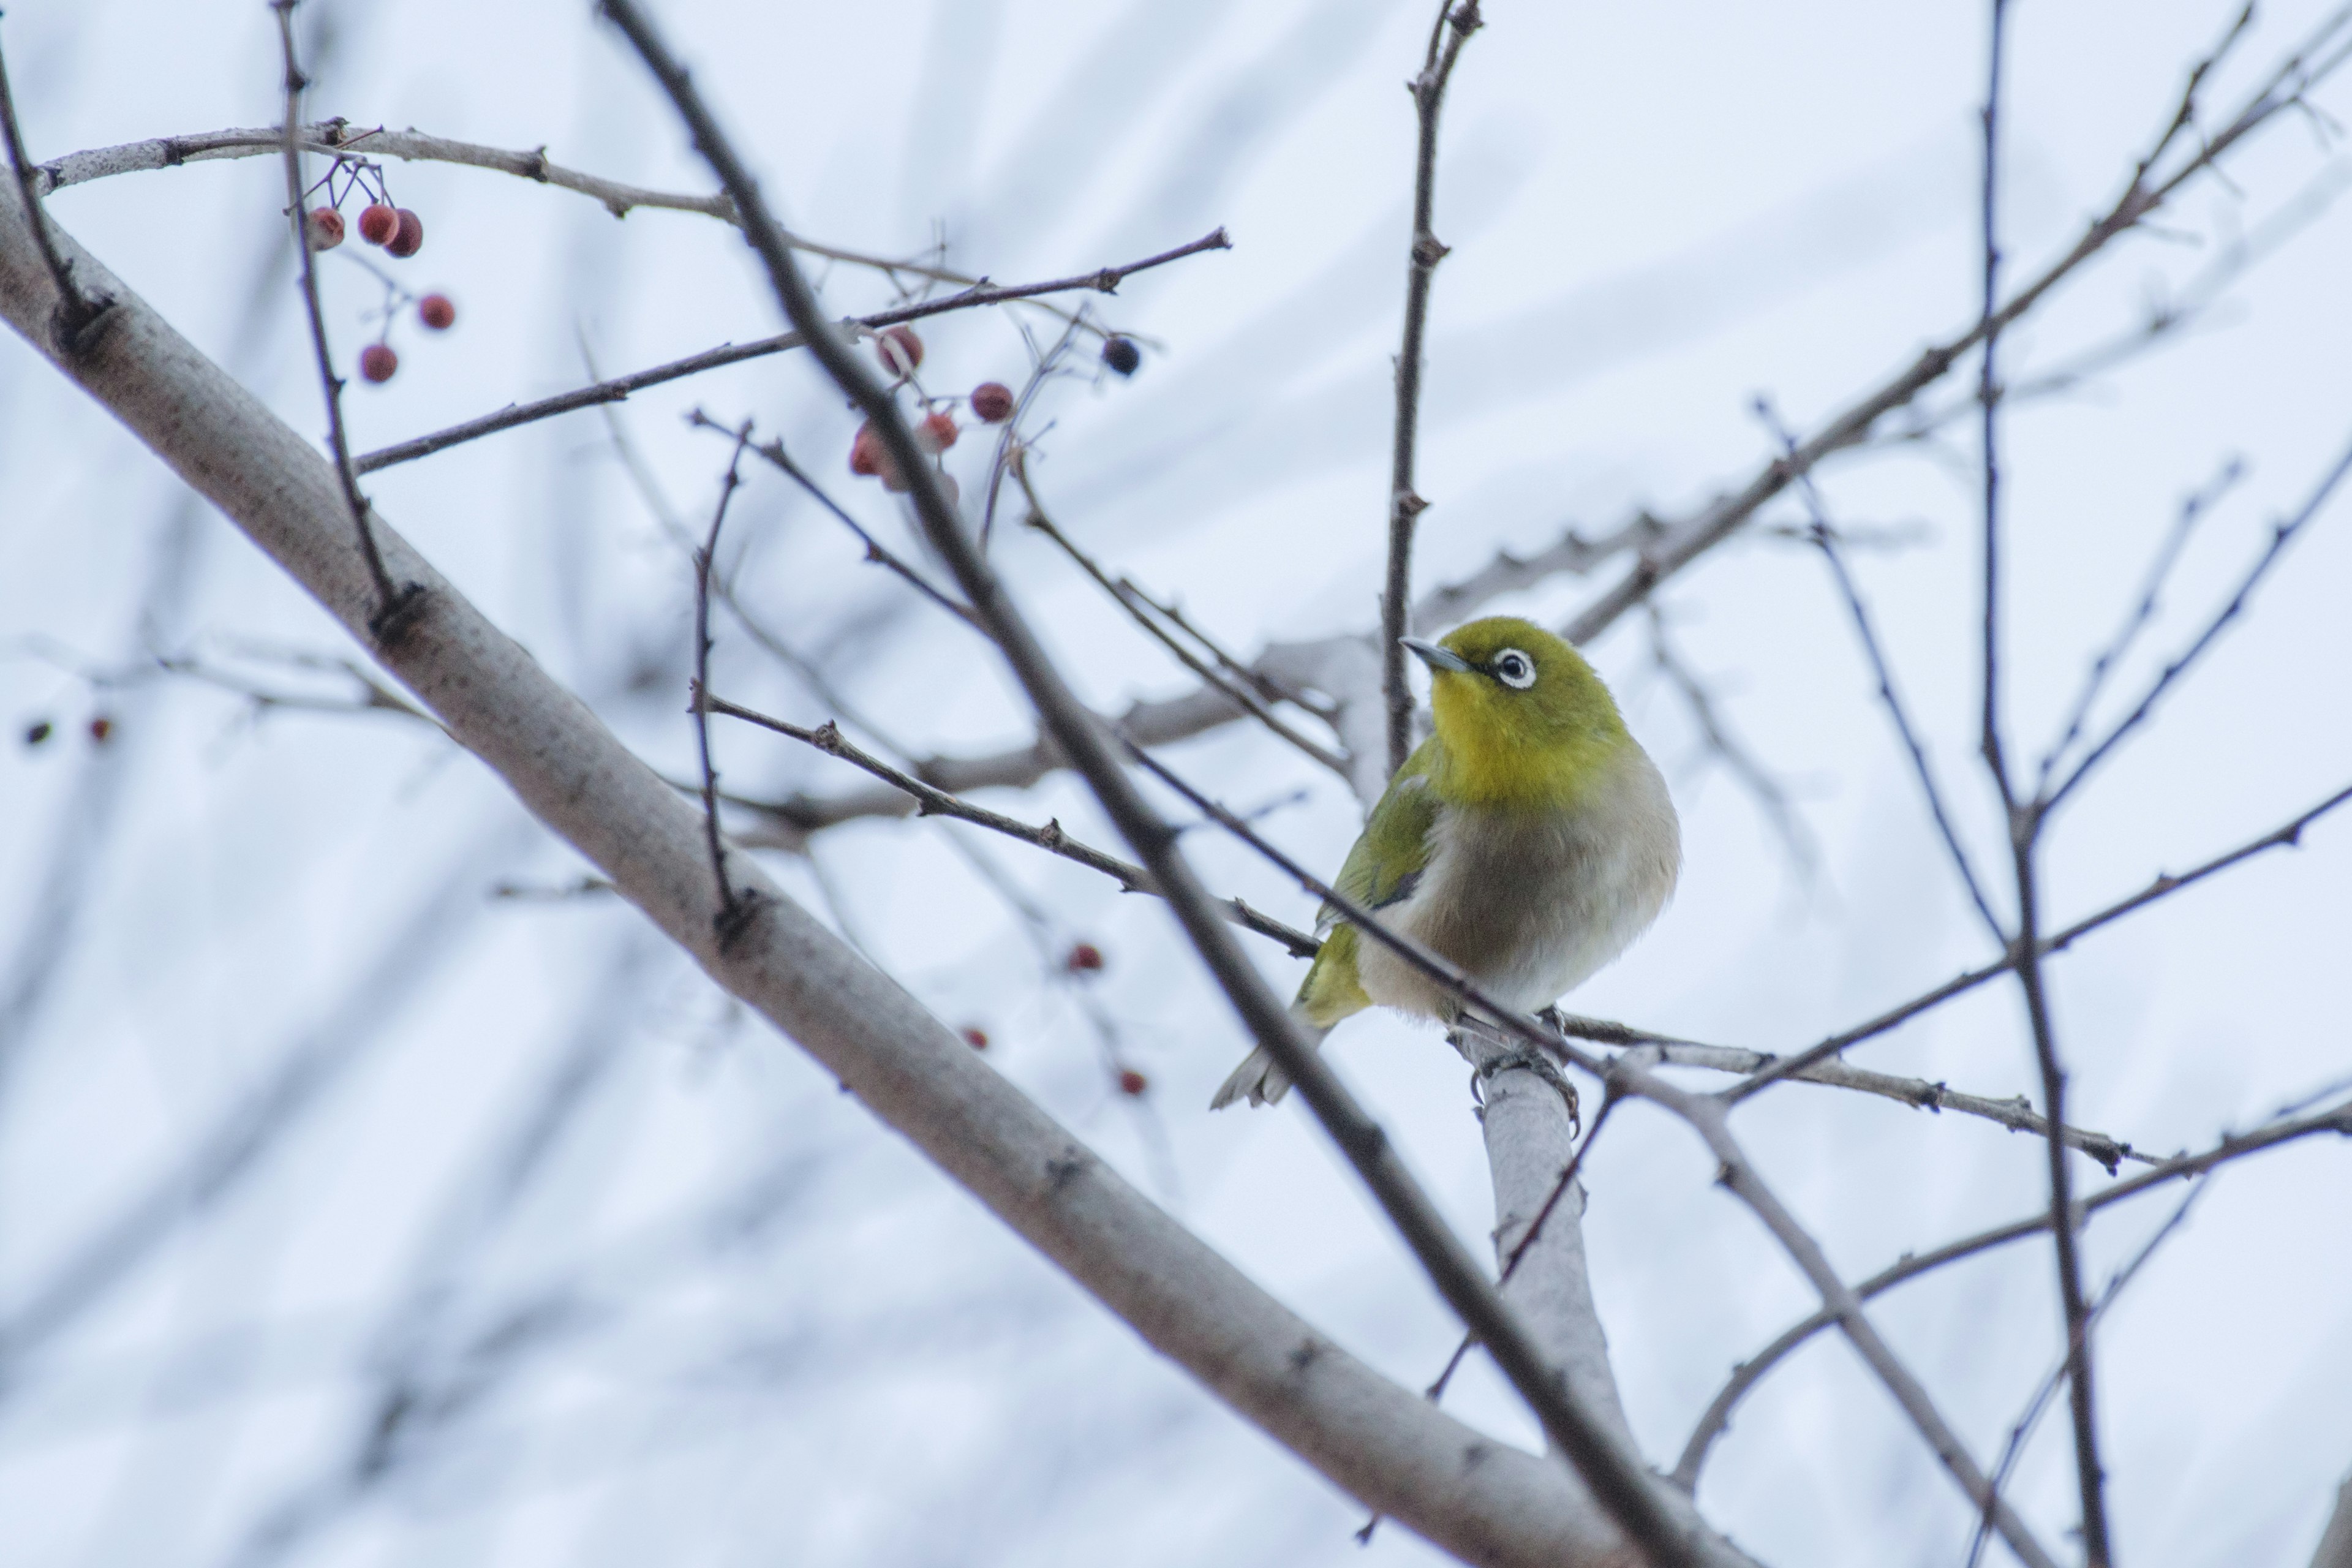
(1529, 841)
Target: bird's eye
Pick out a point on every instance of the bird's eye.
(1514, 669)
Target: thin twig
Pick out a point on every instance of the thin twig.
(1446, 36)
(2287, 834)
(1744, 764)
(2193, 510)
(1139, 608)
(618, 388)
(1824, 539)
(2014, 1449)
(1749, 1373)
(930, 800)
(2144, 193)
(1614, 1477)
(74, 312)
(389, 599)
(2283, 533)
(875, 552)
(2016, 1114)
(2024, 832)
(1437, 1390)
(729, 921)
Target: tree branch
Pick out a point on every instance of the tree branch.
(389, 598)
(2288, 834)
(2335, 1541)
(929, 801)
(74, 311)
(616, 390)
(1745, 1376)
(1446, 36)
(1480, 1500)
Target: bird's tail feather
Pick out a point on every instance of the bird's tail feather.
(1258, 1078)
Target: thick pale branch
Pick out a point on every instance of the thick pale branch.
(2336, 1542)
(1477, 1499)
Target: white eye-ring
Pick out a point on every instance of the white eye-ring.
(1514, 669)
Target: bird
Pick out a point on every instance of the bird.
(1526, 841)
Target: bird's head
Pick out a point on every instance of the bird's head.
(1521, 717)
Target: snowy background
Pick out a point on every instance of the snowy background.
(350, 1214)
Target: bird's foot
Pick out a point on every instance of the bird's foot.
(1536, 1062)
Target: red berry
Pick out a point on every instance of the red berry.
(1085, 958)
(936, 433)
(1121, 354)
(1133, 1083)
(975, 1036)
(437, 312)
(992, 400)
(377, 361)
(378, 223)
(322, 228)
(36, 732)
(409, 238)
(901, 351)
(869, 456)
(100, 728)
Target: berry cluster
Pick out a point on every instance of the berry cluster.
(991, 403)
(397, 231)
(901, 352)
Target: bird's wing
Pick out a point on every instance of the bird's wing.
(1388, 856)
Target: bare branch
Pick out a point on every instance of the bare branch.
(929, 801)
(1711, 1426)
(1139, 607)
(2017, 1114)
(2283, 533)
(2014, 1449)
(2144, 193)
(1446, 36)
(1824, 539)
(875, 550)
(1727, 747)
(74, 312)
(2288, 834)
(735, 909)
(2193, 511)
(1105, 279)
(393, 603)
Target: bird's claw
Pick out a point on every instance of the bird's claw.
(1536, 1062)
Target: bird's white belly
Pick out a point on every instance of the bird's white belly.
(1530, 904)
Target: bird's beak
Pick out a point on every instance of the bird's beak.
(1437, 658)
